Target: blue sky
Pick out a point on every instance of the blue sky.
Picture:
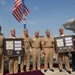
(44, 14)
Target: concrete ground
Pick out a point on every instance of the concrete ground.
(56, 72)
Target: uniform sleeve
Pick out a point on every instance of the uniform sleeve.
(31, 40)
(3, 36)
(42, 41)
(53, 40)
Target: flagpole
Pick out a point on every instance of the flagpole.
(24, 21)
(24, 17)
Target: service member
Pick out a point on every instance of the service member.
(26, 55)
(36, 50)
(13, 61)
(63, 55)
(73, 61)
(48, 48)
(1, 53)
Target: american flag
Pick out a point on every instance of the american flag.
(17, 10)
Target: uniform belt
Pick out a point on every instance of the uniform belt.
(27, 48)
(36, 47)
(49, 47)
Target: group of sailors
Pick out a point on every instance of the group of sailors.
(36, 43)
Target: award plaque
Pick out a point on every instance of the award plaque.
(65, 43)
(13, 47)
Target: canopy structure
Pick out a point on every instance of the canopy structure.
(70, 25)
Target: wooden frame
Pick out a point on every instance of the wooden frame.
(13, 47)
(65, 43)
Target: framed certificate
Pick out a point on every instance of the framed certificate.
(13, 47)
(65, 43)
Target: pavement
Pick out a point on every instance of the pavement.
(56, 72)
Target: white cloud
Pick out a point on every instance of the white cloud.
(35, 8)
(2, 2)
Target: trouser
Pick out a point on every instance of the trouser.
(1, 63)
(73, 61)
(48, 57)
(25, 57)
(66, 59)
(36, 58)
(13, 65)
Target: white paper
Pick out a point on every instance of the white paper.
(17, 42)
(68, 38)
(17, 48)
(9, 45)
(69, 44)
(19, 45)
(60, 42)
(68, 41)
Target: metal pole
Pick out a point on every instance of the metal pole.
(24, 17)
